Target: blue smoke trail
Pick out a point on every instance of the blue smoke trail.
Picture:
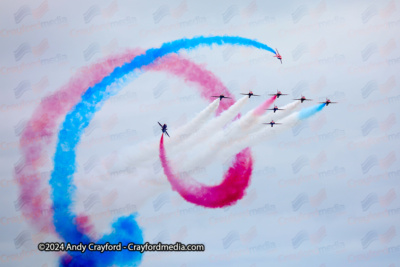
(308, 112)
(70, 134)
(124, 230)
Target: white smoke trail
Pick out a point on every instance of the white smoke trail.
(194, 125)
(268, 132)
(251, 123)
(265, 133)
(225, 148)
(236, 132)
(210, 140)
(148, 150)
(238, 127)
(261, 135)
(212, 127)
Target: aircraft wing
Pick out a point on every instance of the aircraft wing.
(226, 97)
(244, 94)
(333, 102)
(214, 96)
(256, 95)
(281, 61)
(167, 133)
(160, 124)
(280, 109)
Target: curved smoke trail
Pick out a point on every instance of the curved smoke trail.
(230, 190)
(80, 116)
(40, 131)
(124, 230)
(41, 128)
(190, 72)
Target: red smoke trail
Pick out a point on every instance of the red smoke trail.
(232, 188)
(262, 108)
(40, 130)
(196, 73)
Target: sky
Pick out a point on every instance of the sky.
(324, 193)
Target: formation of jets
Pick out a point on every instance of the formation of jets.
(250, 94)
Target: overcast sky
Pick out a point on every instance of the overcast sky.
(325, 193)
